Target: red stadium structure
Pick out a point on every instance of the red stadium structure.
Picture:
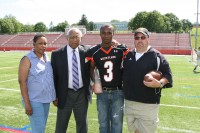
(166, 43)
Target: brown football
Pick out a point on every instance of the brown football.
(155, 74)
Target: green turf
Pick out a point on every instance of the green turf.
(179, 110)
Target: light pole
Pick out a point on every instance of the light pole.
(197, 25)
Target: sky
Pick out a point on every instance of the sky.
(57, 11)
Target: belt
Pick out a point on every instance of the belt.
(111, 88)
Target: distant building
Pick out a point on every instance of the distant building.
(119, 26)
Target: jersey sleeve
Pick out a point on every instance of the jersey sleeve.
(90, 53)
(124, 48)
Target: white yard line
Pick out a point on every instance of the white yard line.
(94, 98)
(7, 80)
(7, 67)
(9, 89)
(163, 128)
(177, 130)
(177, 106)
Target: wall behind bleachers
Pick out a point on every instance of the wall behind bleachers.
(167, 43)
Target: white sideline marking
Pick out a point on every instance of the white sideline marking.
(177, 130)
(7, 67)
(7, 80)
(177, 106)
(94, 98)
(8, 89)
(163, 128)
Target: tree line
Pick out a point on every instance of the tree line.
(154, 21)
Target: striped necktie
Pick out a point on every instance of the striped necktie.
(75, 76)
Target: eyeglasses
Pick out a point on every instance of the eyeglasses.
(142, 37)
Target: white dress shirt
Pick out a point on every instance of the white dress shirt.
(69, 57)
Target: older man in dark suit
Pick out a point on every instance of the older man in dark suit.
(71, 77)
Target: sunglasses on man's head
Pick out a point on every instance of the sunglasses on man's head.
(142, 37)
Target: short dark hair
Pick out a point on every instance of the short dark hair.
(37, 36)
(106, 25)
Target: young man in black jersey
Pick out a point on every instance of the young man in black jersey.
(142, 98)
(107, 59)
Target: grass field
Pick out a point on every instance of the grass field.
(179, 111)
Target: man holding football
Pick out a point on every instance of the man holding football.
(142, 96)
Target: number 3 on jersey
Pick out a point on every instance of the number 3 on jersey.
(109, 66)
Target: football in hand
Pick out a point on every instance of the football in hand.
(152, 74)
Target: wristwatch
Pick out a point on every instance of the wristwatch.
(161, 84)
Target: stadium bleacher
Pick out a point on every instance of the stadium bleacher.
(5, 38)
(19, 40)
(60, 41)
(167, 43)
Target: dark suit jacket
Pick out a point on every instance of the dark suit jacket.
(59, 63)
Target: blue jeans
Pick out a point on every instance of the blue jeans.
(110, 105)
(39, 117)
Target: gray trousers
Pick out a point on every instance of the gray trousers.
(77, 103)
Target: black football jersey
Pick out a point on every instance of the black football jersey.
(108, 63)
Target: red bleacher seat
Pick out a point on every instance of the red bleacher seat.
(165, 42)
